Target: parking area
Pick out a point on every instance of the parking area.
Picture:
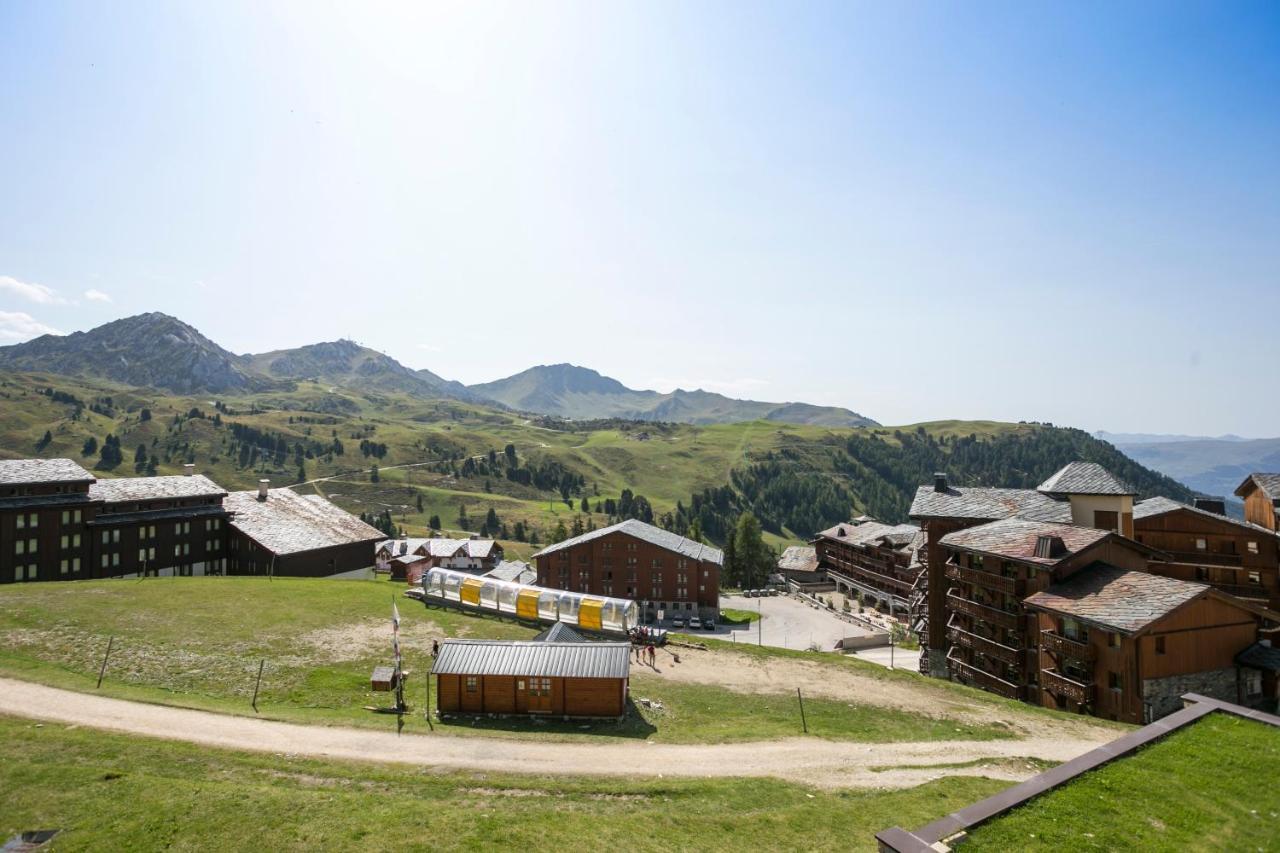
(787, 623)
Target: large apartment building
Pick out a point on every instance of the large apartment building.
(873, 561)
(59, 522)
(660, 570)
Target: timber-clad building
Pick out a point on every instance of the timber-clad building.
(60, 522)
(558, 674)
(655, 567)
(873, 561)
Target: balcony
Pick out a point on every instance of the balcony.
(1068, 688)
(860, 574)
(1257, 592)
(972, 675)
(1205, 558)
(1003, 618)
(1057, 644)
(1009, 586)
(990, 648)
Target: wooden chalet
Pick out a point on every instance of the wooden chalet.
(872, 561)
(1261, 495)
(1126, 645)
(558, 674)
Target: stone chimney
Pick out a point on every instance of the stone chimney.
(940, 481)
(188, 469)
(263, 485)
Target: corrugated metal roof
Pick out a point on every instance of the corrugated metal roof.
(646, 533)
(552, 660)
(289, 523)
(122, 489)
(14, 471)
(559, 633)
(1084, 478)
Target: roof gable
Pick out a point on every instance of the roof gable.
(1269, 483)
(1017, 539)
(645, 533)
(1117, 599)
(1084, 478)
(289, 523)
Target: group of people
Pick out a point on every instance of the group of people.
(644, 653)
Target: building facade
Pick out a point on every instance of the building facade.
(1261, 495)
(872, 561)
(661, 571)
(280, 532)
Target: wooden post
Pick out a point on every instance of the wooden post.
(258, 684)
(103, 670)
(803, 721)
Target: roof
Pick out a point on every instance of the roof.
(1259, 656)
(1269, 483)
(553, 660)
(1153, 507)
(559, 633)
(515, 571)
(1084, 478)
(409, 545)
(1117, 599)
(854, 533)
(983, 503)
(799, 558)
(289, 523)
(408, 559)
(647, 533)
(121, 489)
(1016, 538)
(14, 471)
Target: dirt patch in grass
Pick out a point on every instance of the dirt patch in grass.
(368, 637)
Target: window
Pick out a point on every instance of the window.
(115, 537)
(66, 541)
(106, 537)
(1201, 545)
(1255, 578)
(75, 564)
(142, 554)
(32, 545)
(64, 566)
(1113, 640)
(33, 521)
(105, 561)
(1114, 681)
(75, 540)
(66, 516)
(115, 559)
(1202, 573)
(1253, 547)
(473, 684)
(1159, 645)
(75, 516)
(22, 521)
(1106, 519)
(20, 547)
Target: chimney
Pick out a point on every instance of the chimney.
(1049, 547)
(1217, 506)
(940, 481)
(263, 485)
(188, 469)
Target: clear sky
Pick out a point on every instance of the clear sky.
(1018, 211)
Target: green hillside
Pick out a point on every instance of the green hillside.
(444, 457)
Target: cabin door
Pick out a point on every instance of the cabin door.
(537, 694)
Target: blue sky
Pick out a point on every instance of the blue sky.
(1062, 212)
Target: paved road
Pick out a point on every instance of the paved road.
(809, 761)
(788, 623)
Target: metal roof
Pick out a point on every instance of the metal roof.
(121, 489)
(14, 471)
(552, 660)
(559, 633)
(289, 523)
(1016, 538)
(1117, 599)
(646, 533)
(1084, 478)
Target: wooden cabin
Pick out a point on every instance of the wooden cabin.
(1126, 645)
(537, 678)
(1261, 496)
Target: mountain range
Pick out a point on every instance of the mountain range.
(1211, 466)
(159, 351)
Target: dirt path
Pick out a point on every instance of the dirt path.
(810, 761)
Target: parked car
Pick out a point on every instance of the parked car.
(708, 624)
(747, 593)
(695, 624)
(677, 622)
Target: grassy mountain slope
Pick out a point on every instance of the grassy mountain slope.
(568, 391)
(798, 478)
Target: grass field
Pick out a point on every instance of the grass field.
(1211, 786)
(114, 792)
(197, 642)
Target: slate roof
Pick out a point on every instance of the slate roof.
(983, 503)
(1015, 539)
(646, 533)
(15, 471)
(409, 545)
(125, 489)
(559, 633)
(551, 660)
(1269, 483)
(289, 523)
(1259, 656)
(1116, 599)
(515, 571)
(799, 558)
(1152, 507)
(1084, 478)
(896, 535)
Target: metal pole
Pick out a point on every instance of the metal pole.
(803, 721)
(110, 642)
(258, 684)
(759, 625)
(890, 648)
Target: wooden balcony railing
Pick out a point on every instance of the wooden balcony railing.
(1003, 618)
(1057, 644)
(990, 648)
(1068, 688)
(972, 675)
(1009, 586)
(1255, 591)
(859, 574)
(1205, 558)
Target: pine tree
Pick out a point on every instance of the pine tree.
(559, 534)
(90, 446)
(586, 505)
(434, 524)
(45, 440)
(373, 474)
(419, 501)
(491, 520)
(752, 556)
(519, 531)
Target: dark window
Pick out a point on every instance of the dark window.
(1159, 645)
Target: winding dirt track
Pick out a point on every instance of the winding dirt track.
(830, 764)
